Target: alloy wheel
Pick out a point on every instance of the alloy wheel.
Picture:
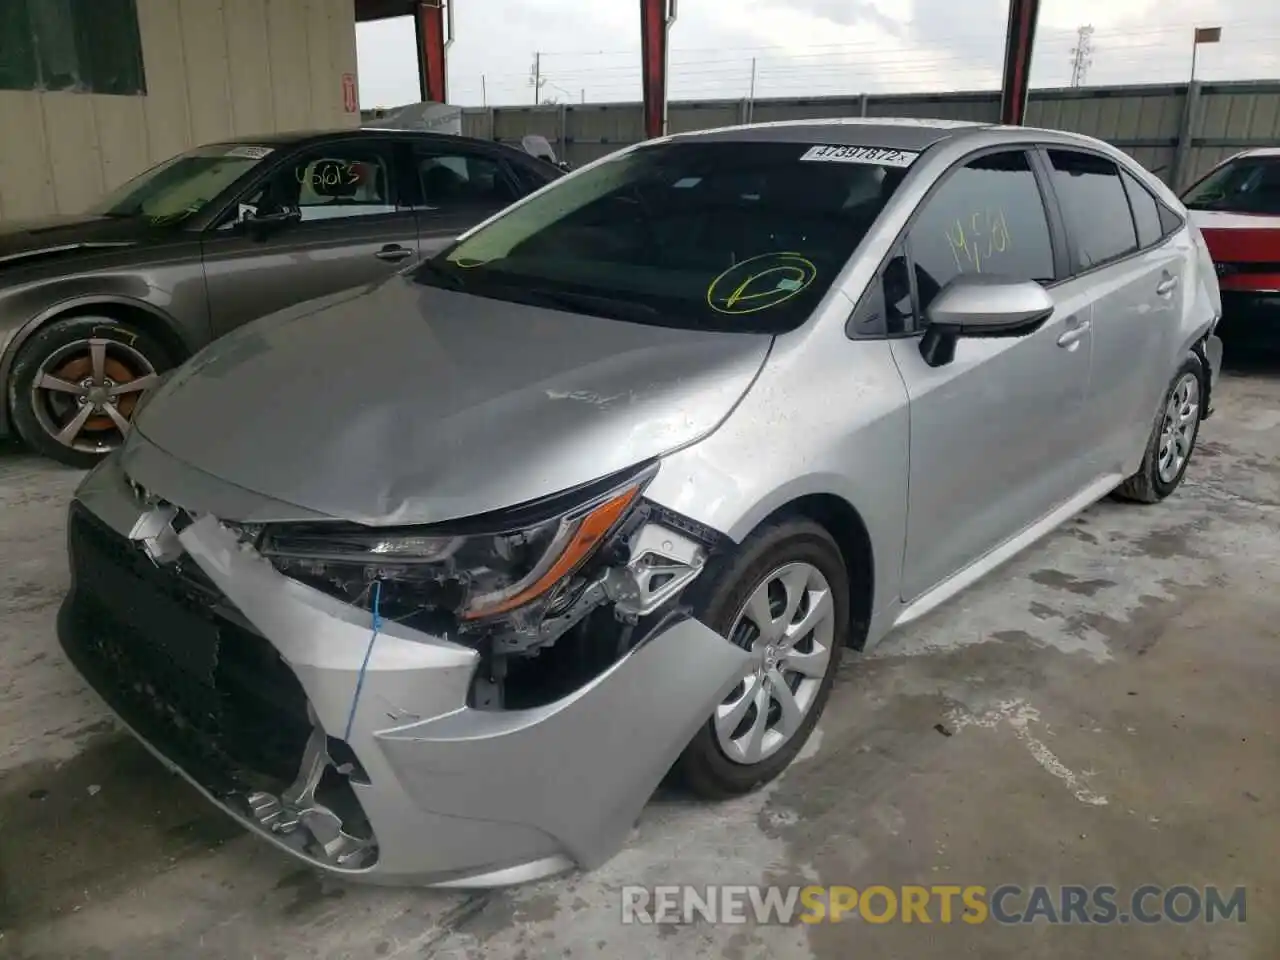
(788, 624)
(86, 392)
(1178, 429)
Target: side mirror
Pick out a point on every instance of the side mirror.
(274, 217)
(982, 306)
(565, 165)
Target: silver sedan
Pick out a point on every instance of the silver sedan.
(434, 581)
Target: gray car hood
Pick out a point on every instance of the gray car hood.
(412, 404)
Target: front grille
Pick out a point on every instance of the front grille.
(173, 657)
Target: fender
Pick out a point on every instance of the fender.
(18, 337)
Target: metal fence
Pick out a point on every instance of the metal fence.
(1178, 131)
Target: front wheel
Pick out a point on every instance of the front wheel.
(1172, 440)
(75, 384)
(784, 596)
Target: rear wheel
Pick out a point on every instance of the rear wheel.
(76, 383)
(1172, 440)
(784, 596)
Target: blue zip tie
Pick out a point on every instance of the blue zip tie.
(377, 625)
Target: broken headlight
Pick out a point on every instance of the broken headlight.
(474, 573)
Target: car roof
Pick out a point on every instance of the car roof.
(1258, 152)
(299, 137)
(891, 133)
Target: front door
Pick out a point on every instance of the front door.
(996, 435)
(352, 231)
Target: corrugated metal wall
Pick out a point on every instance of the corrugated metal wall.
(1150, 122)
(214, 69)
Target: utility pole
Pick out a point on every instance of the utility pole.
(751, 96)
(536, 77)
(484, 91)
(1081, 55)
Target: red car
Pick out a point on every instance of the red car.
(1237, 208)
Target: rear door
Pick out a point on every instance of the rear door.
(354, 229)
(996, 439)
(1135, 278)
(459, 185)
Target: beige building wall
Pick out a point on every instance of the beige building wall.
(214, 69)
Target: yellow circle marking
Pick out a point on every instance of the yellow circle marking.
(744, 287)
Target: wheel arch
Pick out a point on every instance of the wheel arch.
(150, 319)
(841, 519)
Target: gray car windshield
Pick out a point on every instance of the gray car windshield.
(182, 186)
(742, 236)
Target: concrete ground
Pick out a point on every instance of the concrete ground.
(1104, 710)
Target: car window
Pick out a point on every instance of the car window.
(331, 182)
(184, 185)
(717, 235)
(1146, 211)
(1243, 185)
(987, 217)
(457, 180)
(529, 178)
(1094, 204)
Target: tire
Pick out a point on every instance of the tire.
(1158, 477)
(721, 601)
(68, 350)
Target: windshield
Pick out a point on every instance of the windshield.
(183, 186)
(1246, 185)
(741, 236)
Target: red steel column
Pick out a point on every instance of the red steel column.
(654, 21)
(430, 28)
(1019, 39)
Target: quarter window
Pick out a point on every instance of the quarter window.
(987, 217)
(1093, 201)
(1146, 211)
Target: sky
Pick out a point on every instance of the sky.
(590, 49)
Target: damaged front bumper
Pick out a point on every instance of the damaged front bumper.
(243, 680)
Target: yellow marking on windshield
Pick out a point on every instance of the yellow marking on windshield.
(760, 282)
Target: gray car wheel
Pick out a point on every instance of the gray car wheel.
(783, 595)
(75, 384)
(1172, 439)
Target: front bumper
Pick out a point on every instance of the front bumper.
(242, 680)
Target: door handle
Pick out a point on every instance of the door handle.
(1167, 286)
(1072, 335)
(393, 253)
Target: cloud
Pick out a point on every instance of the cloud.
(812, 47)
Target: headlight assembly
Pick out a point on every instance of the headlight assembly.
(477, 572)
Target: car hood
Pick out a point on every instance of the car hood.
(23, 241)
(412, 404)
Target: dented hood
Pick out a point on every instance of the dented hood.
(412, 404)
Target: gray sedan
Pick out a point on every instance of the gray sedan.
(94, 307)
(434, 582)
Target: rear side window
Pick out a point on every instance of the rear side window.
(987, 217)
(1146, 211)
(1095, 206)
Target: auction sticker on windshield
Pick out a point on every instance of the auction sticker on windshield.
(875, 155)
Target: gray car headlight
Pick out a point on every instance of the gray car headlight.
(473, 575)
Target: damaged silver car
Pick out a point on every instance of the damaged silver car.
(434, 581)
